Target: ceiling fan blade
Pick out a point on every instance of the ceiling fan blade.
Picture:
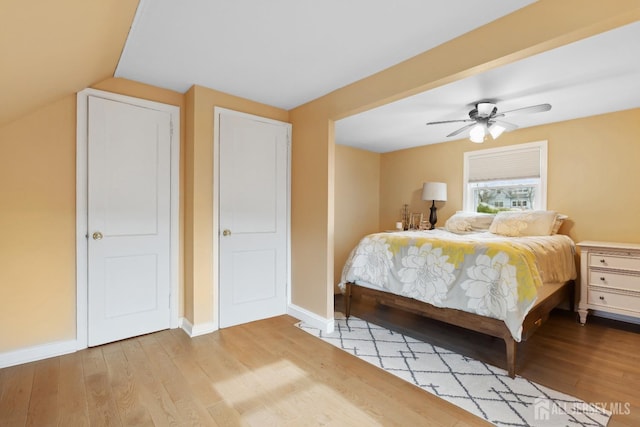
(451, 121)
(526, 110)
(507, 126)
(462, 129)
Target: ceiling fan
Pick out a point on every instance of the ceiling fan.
(485, 120)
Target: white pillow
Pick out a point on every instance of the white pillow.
(523, 223)
(468, 221)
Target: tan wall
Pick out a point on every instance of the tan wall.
(357, 204)
(200, 211)
(37, 227)
(313, 143)
(51, 49)
(592, 164)
(37, 164)
(37, 167)
(37, 221)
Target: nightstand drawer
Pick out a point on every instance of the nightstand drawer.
(614, 280)
(613, 261)
(613, 300)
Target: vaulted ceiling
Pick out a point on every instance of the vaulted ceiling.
(288, 52)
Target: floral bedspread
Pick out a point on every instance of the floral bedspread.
(480, 273)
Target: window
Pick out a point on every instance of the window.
(504, 178)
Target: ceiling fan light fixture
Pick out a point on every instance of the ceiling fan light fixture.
(485, 120)
(477, 133)
(496, 130)
(485, 109)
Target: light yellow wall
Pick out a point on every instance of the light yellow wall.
(37, 224)
(200, 211)
(357, 184)
(37, 151)
(37, 227)
(51, 49)
(37, 219)
(513, 37)
(592, 167)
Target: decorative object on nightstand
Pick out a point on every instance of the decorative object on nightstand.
(436, 192)
(416, 220)
(404, 214)
(609, 278)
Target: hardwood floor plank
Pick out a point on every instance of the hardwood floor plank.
(178, 388)
(100, 398)
(72, 403)
(15, 393)
(152, 394)
(43, 408)
(226, 416)
(125, 389)
(202, 387)
(232, 380)
(327, 364)
(272, 373)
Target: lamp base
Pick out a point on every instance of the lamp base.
(433, 218)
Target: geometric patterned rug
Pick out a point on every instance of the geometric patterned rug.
(482, 389)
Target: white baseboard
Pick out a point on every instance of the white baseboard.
(38, 352)
(196, 330)
(311, 319)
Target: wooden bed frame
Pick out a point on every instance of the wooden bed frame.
(549, 296)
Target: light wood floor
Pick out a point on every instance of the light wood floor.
(271, 373)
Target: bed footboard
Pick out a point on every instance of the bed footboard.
(475, 322)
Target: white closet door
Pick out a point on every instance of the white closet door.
(253, 218)
(129, 211)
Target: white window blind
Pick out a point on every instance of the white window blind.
(506, 163)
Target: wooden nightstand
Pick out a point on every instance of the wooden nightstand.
(609, 278)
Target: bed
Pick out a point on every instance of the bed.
(501, 278)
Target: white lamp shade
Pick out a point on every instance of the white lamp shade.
(477, 133)
(496, 130)
(434, 191)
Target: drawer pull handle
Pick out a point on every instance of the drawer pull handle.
(602, 278)
(602, 261)
(601, 297)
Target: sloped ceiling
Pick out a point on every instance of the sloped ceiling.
(288, 52)
(285, 53)
(51, 49)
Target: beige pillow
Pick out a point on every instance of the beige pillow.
(468, 221)
(523, 223)
(560, 218)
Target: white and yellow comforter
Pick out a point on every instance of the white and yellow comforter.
(481, 273)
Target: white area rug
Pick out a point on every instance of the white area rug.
(479, 388)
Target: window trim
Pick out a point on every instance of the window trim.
(540, 145)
